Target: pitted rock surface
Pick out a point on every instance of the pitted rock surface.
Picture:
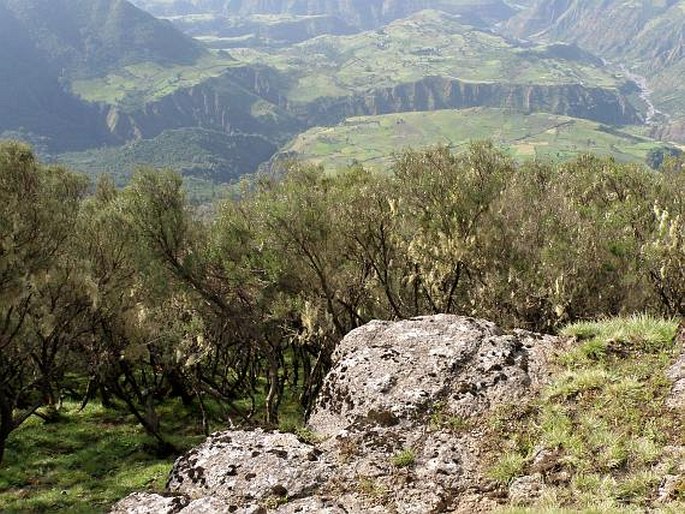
(676, 373)
(145, 503)
(411, 388)
(386, 372)
(398, 415)
(243, 467)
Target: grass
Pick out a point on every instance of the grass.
(86, 461)
(372, 140)
(404, 459)
(604, 418)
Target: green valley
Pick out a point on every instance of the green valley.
(372, 140)
(427, 44)
(217, 88)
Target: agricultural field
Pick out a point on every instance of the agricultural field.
(429, 43)
(134, 85)
(372, 140)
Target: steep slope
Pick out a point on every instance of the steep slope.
(80, 74)
(32, 96)
(615, 28)
(648, 37)
(45, 44)
(90, 36)
(431, 61)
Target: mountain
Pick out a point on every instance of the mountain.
(32, 96)
(359, 13)
(87, 37)
(80, 75)
(649, 31)
(45, 44)
(431, 61)
(646, 37)
(104, 83)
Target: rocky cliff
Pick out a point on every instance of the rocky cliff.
(250, 100)
(433, 93)
(219, 104)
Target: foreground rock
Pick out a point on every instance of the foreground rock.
(398, 418)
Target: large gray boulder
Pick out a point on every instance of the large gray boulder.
(398, 422)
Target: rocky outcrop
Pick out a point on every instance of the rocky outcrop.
(676, 374)
(218, 104)
(397, 429)
(432, 93)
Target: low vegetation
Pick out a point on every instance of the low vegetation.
(426, 44)
(128, 300)
(601, 434)
(85, 460)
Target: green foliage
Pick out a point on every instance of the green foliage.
(657, 156)
(129, 298)
(372, 140)
(427, 43)
(205, 157)
(509, 466)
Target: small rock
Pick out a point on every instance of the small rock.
(242, 467)
(523, 490)
(676, 373)
(669, 489)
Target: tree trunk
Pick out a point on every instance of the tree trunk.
(6, 423)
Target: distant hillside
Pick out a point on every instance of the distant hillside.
(360, 13)
(648, 37)
(45, 44)
(431, 61)
(204, 154)
(651, 31)
(83, 75)
(32, 95)
(86, 37)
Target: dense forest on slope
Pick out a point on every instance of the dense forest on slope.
(125, 297)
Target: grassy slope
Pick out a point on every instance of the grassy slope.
(426, 44)
(602, 416)
(602, 421)
(90, 459)
(372, 139)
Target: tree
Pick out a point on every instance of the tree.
(38, 207)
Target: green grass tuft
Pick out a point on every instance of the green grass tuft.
(404, 459)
